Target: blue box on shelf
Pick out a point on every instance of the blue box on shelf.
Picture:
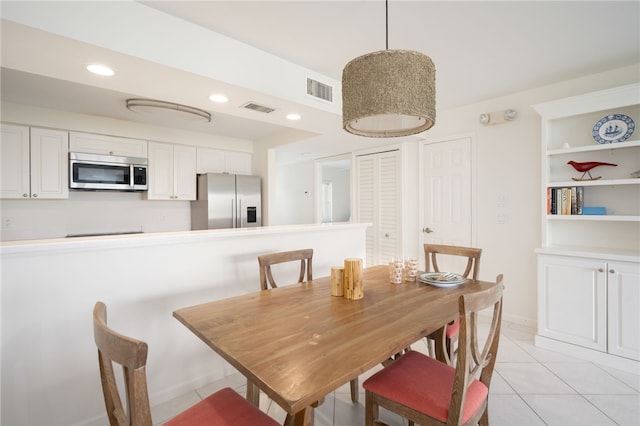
(594, 210)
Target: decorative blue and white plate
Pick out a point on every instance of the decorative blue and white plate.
(613, 128)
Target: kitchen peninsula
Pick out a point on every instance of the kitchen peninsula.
(49, 363)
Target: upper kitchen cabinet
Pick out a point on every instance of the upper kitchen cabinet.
(107, 145)
(34, 163)
(172, 172)
(219, 161)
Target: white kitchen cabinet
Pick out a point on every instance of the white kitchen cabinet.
(172, 172)
(573, 301)
(220, 161)
(588, 279)
(107, 145)
(35, 163)
(623, 295)
(591, 303)
(379, 203)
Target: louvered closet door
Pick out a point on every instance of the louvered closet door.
(366, 199)
(379, 201)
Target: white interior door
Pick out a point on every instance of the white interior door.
(447, 193)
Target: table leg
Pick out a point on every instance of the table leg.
(301, 418)
(440, 345)
(253, 393)
(354, 390)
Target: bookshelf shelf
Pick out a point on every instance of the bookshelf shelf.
(594, 148)
(599, 182)
(594, 218)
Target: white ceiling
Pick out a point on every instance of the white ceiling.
(481, 50)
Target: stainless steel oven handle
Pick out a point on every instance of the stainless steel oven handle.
(131, 177)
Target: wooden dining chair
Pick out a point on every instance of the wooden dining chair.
(223, 408)
(305, 256)
(432, 252)
(428, 392)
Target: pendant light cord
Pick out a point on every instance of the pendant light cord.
(386, 10)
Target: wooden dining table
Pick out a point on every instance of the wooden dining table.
(298, 343)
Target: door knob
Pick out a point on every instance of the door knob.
(427, 230)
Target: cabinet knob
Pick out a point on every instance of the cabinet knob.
(612, 271)
(25, 195)
(427, 230)
(34, 195)
(600, 270)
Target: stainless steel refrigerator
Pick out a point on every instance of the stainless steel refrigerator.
(227, 201)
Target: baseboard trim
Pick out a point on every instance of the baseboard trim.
(597, 357)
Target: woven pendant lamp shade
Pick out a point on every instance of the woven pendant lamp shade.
(389, 93)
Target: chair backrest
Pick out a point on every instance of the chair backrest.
(431, 252)
(131, 355)
(474, 362)
(305, 256)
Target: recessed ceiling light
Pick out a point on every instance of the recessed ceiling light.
(219, 98)
(100, 70)
(293, 116)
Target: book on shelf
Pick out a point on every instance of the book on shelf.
(579, 199)
(565, 200)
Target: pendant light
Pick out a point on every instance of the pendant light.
(389, 93)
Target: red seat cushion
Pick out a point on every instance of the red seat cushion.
(224, 408)
(425, 385)
(453, 329)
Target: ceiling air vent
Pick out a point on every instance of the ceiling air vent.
(319, 90)
(257, 107)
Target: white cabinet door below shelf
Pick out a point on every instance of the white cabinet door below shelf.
(624, 309)
(573, 301)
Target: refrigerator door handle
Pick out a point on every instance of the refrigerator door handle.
(233, 213)
(239, 217)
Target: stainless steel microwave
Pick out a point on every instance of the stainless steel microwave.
(108, 172)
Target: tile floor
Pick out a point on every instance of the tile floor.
(531, 386)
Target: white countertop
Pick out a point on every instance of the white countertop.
(159, 238)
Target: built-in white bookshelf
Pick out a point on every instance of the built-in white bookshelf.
(589, 264)
(567, 126)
